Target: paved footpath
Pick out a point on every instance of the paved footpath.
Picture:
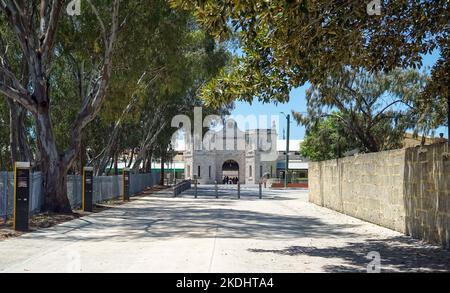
(280, 233)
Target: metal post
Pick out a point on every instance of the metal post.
(126, 184)
(215, 186)
(195, 185)
(174, 172)
(21, 201)
(239, 190)
(87, 189)
(288, 118)
(260, 190)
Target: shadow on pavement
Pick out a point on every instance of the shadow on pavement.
(167, 219)
(397, 254)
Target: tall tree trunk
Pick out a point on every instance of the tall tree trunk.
(148, 168)
(110, 166)
(161, 179)
(19, 145)
(37, 46)
(116, 163)
(54, 168)
(24, 144)
(81, 159)
(144, 163)
(131, 158)
(147, 144)
(13, 131)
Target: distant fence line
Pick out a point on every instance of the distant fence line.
(105, 188)
(182, 186)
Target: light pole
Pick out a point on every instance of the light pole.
(172, 155)
(286, 167)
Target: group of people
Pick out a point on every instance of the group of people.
(230, 180)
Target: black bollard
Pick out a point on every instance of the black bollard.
(126, 184)
(260, 190)
(21, 195)
(195, 187)
(239, 190)
(87, 189)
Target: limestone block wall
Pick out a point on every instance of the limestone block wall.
(427, 193)
(404, 190)
(368, 187)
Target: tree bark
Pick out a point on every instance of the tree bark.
(37, 46)
(19, 145)
(161, 178)
(54, 169)
(148, 168)
(116, 163)
(147, 144)
(13, 132)
(110, 166)
(131, 158)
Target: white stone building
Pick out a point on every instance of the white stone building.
(231, 152)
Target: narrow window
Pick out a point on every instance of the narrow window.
(198, 173)
(209, 170)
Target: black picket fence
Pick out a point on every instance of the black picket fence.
(182, 186)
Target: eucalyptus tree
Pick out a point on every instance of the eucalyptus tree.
(19, 127)
(171, 59)
(374, 109)
(5, 154)
(328, 139)
(35, 27)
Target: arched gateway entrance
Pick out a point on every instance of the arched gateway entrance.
(230, 170)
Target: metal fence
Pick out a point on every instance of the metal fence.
(180, 187)
(141, 181)
(7, 193)
(105, 188)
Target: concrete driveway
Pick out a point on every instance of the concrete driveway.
(280, 233)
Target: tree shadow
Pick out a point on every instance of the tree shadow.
(149, 219)
(397, 254)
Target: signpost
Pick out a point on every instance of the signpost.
(21, 195)
(126, 184)
(87, 189)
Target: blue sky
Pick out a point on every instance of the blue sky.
(297, 102)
